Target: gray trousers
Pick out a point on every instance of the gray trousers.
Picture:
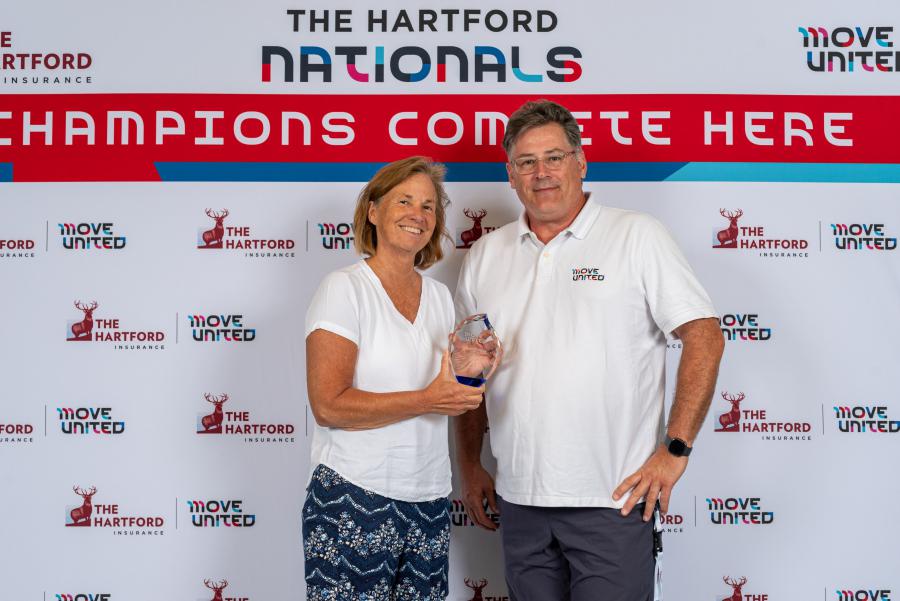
(576, 554)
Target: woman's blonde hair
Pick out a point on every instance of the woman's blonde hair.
(365, 238)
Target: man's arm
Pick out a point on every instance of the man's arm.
(477, 484)
(697, 372)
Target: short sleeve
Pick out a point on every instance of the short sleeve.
(335, 308)
(464, 300)
(673, 293)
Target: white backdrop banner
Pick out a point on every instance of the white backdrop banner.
(176, 179)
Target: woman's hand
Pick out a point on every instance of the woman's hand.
(447, 396)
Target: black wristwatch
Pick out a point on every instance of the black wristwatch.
(677, 447)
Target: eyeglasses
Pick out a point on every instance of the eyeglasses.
(552, 162)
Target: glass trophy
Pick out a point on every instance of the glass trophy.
(475, 350)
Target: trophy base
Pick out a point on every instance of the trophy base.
(476, 382)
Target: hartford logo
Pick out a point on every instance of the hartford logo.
(862, 236)
(744, 327)
(757, 421)
(738, 511)
(16, 433)
(865, 418)
(336, 236)
(240, 238)
(216, 513)
(108, 515)
(220, 328)
(20, 66)
(108, 330)
(90, 236)
(217, 588)
(83, 597)
(850, 49)
(737, 591)
(89, 420)
(465, 238)
(863, 594)
(478, 595)
(754, 237)
(13, 248)
(672, 523)
(239, 423)
(459, 517)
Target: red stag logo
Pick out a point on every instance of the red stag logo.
(81, 330)
(216, 588)
(736, 593)
(728, 238)
(81, 516)
(730, 421)
(469, 236)
(213, 238)
(212, 423)
(477, 588)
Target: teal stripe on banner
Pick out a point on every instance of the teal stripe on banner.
(496, 172)
(788, 172)
(6, 172)
(361, 172)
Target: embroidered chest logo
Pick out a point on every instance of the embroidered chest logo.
(587, 274)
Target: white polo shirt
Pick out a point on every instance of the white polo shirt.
(408, 460)
(577, 402)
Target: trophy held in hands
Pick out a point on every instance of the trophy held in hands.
(475, 350)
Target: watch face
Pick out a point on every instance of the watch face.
(677, 447)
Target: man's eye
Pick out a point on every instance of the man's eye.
(527, 163)
(555, 159)
(429, 208)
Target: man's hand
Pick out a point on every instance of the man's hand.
(655, 479)
(477, 486)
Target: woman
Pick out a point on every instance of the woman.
(376, 523)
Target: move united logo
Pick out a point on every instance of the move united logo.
(240, 238)
(90, 236)
(744, 327)
(757, 421)
(865, 419)
(216, 513)
(754, 238)
(336, 236)
(108, 330)
(83, 597)
(89, 420)
(738, 511)
(236, 423)
(850, 49)
(108, 516)
(465, 238)
(478, 593)
(862, 236)
(221, 327)
(863, 594)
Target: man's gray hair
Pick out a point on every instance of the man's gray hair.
(541, 112)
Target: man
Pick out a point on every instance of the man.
(582, 296)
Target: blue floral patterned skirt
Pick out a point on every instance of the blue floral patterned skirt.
(360, 546)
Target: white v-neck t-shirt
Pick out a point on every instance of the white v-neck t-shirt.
(407, 460)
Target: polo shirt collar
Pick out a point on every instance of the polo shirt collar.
(578, 228)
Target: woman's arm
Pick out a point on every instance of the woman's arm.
(330, 363)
